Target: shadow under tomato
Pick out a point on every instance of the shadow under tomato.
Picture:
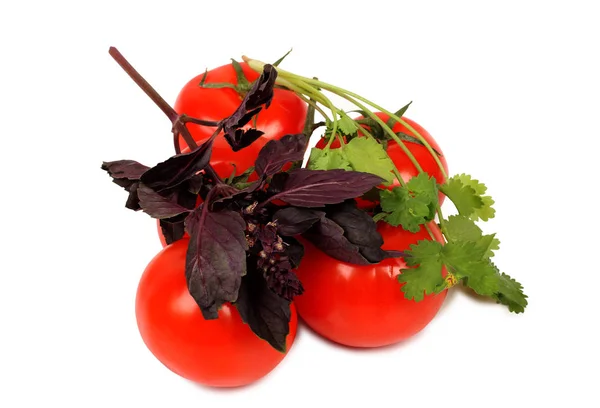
(302, 326)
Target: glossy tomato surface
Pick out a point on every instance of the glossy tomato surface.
(362, 305)
(403, 164)
(223, 352)
(285, 115)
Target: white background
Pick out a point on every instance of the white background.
(510, 91)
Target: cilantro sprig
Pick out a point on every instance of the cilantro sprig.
(465, 255)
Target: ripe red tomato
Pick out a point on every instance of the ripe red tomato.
(362, 305)
(222, 352)
(405, 167)
(285, 115)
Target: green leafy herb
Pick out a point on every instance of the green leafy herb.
(346, 125)
(485, 212)
(365, 154)
(426, 278)
(467, 196)
(465, 260)
(410, 206)
(328, 159)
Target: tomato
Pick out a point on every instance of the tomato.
(285, 115)
(403, 164)
(362, 305)
(222, 352)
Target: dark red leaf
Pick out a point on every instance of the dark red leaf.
(178, 169)
(216, 258)
(276, 153)
(293, 221)
(267, 314)
(329, 237)
(126, 173)
(260, 94)
(315, 188)
(173, 229)
(158, 206)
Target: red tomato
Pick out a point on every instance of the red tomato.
(285, 115)
(405, 167)
(362, 305)
(222, 352)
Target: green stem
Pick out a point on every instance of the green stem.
(344, 92)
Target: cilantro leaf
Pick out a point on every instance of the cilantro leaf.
(328, 159)
(486, 211)
(426, 278)
(510, 293)
(463, 196)
(346, 125)
(366, 155)
(463, 229)
(410, 206)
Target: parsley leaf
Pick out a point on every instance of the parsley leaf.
(427, 277)
(365, 154)
(410, 206)
(328, 159)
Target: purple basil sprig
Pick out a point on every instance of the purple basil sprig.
(241, 246)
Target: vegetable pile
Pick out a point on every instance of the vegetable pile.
(253, 221)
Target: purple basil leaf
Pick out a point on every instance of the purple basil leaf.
(261, 92)
(157, 206)
(239, 138)
(124, 172)
(315, 188)
(177, 169)
(293, 221)
(360, 229)
(277, 183)
(267, 314)
(226, 202)
(173, 229)
(276, 153)
(294, 251)
(329, 237)
(127, 173)
(216, 258)
(195, 184)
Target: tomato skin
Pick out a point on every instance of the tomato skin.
(362, 305)
(285, 115)
(405, 167)
(219, 353)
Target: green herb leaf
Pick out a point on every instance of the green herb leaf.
(485, 212)
(464, 197)
(346, 125)
(510, 293)
(410, 206)
(328, 159)
(366, 155)
(461, 228)
(426, 278)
